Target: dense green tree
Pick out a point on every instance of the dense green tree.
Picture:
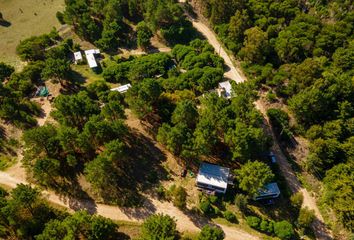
(159, 226)
(143, 96)
(338, 192)
(255, 45)
(5, 71)
(324, 154)
(80, 225)
(74, 110)
(246, 142)
(211, 233)
(283, 230)
(296, 41)
(56, 69)
(143, 34)
(253, 176)
(185, 113)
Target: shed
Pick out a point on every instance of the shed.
(225, 89)
(213, 178)
(77, 56)
(270, 190)
(122, 89)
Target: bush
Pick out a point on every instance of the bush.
(230, 216)
(306, 217)
(213, 199)
(180, 197)
(211, 233)
(283, 230)
(241, 201)
(253, 221)
(297, 200)
(159, 226)
(271, 97)
(161, 192)
(60, 17)
(205, 207)
(264, 226)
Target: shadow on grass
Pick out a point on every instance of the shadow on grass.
(4, 23)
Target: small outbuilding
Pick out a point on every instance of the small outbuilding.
(225, 89)
(213, 178)
(123, 88)
(77, 57)
(269, 191)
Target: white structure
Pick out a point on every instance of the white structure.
(213, 178)
(225, 89)
(90, 56)
(77, 57)
(122, 89)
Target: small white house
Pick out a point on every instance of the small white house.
(90, 56)
(77, 57)
(225, 89)
(122, 89)
(213, 178)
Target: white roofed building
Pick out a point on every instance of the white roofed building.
(77, 57)
(123, 88)
(213, 178)
(225, 89)
(90, 56)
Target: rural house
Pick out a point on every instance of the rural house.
(269, 191)
(213, 178)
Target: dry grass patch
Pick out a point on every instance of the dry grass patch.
(25, 18)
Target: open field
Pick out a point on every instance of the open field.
(25, 18)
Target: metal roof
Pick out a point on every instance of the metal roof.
(227, 87)
(213, 175)
(269, 190)
(123, 88)
(77, 55)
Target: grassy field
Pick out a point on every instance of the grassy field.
(25, 18)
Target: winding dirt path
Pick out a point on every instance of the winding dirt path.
(321, 231)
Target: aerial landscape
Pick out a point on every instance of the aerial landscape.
(177, 119)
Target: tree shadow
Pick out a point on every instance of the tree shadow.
(140, 213)
(5, 23)
(71, 193)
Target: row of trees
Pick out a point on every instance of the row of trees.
(26, 215)
(304, 51)
(103, 22)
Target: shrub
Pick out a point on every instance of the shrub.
(306, 217)
(60, 17)
(213, 199)
(264, 226)
(205, 207)
(241, 202)
(230, 216)
(160, 192)
(211, 233)
(159, 226)
(271, 97)
(296, 200)
(283, 230)
(179, 197)
(253, 221)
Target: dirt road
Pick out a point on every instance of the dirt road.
(319, 227)
(185, 222)
(231, 72)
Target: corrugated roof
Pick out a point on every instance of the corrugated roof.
(213, 175)
(123, 88)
